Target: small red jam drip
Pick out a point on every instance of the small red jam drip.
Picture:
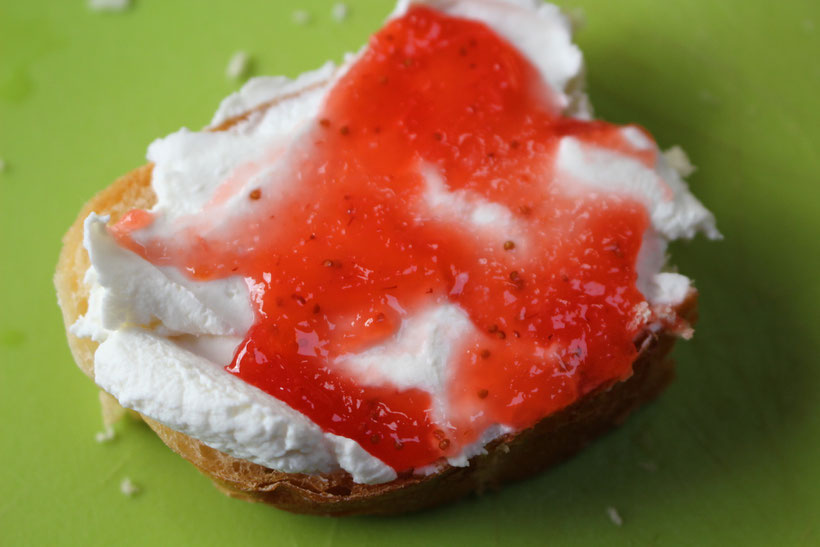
(353, 249)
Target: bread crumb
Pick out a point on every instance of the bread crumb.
(648, 465)
(300, 17)
(340, 11)
(238, 65)
(105, 436)
(614, 516)
(2, 165)
(641, 315)
(109, 5)
(678, 160)
(128, 488)
(686, 332)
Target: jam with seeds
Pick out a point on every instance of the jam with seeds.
(354, 248)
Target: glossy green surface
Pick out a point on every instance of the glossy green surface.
(735, 441)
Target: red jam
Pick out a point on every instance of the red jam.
(335, 265)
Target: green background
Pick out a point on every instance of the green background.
(736, 439)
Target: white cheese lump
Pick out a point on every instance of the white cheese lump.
(165, 339)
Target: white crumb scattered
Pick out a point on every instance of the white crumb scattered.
(679, 161)
(648, 465)
(105, 436)
(339, 12)
(614, 516)
(641, 315)
(109, 5)
(238, 65)
(577, 18)
(808, 25)
(686, 333)
(2, 165)
(300, 17)
(128, 488)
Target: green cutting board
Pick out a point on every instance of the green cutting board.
(729, 455)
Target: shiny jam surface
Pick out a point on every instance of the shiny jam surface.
(357, 245)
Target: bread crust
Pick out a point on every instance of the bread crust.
(510, 457)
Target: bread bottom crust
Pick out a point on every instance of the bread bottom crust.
(511, 457)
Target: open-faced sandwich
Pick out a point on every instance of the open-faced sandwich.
(386, 284)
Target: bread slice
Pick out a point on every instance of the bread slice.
(510, 457)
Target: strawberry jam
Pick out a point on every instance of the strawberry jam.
(438, 120)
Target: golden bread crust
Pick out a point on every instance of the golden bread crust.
(510, 457)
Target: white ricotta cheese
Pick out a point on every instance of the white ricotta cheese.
(493, 220)
(417, 355)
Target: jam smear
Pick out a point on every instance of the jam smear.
(356, 244)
